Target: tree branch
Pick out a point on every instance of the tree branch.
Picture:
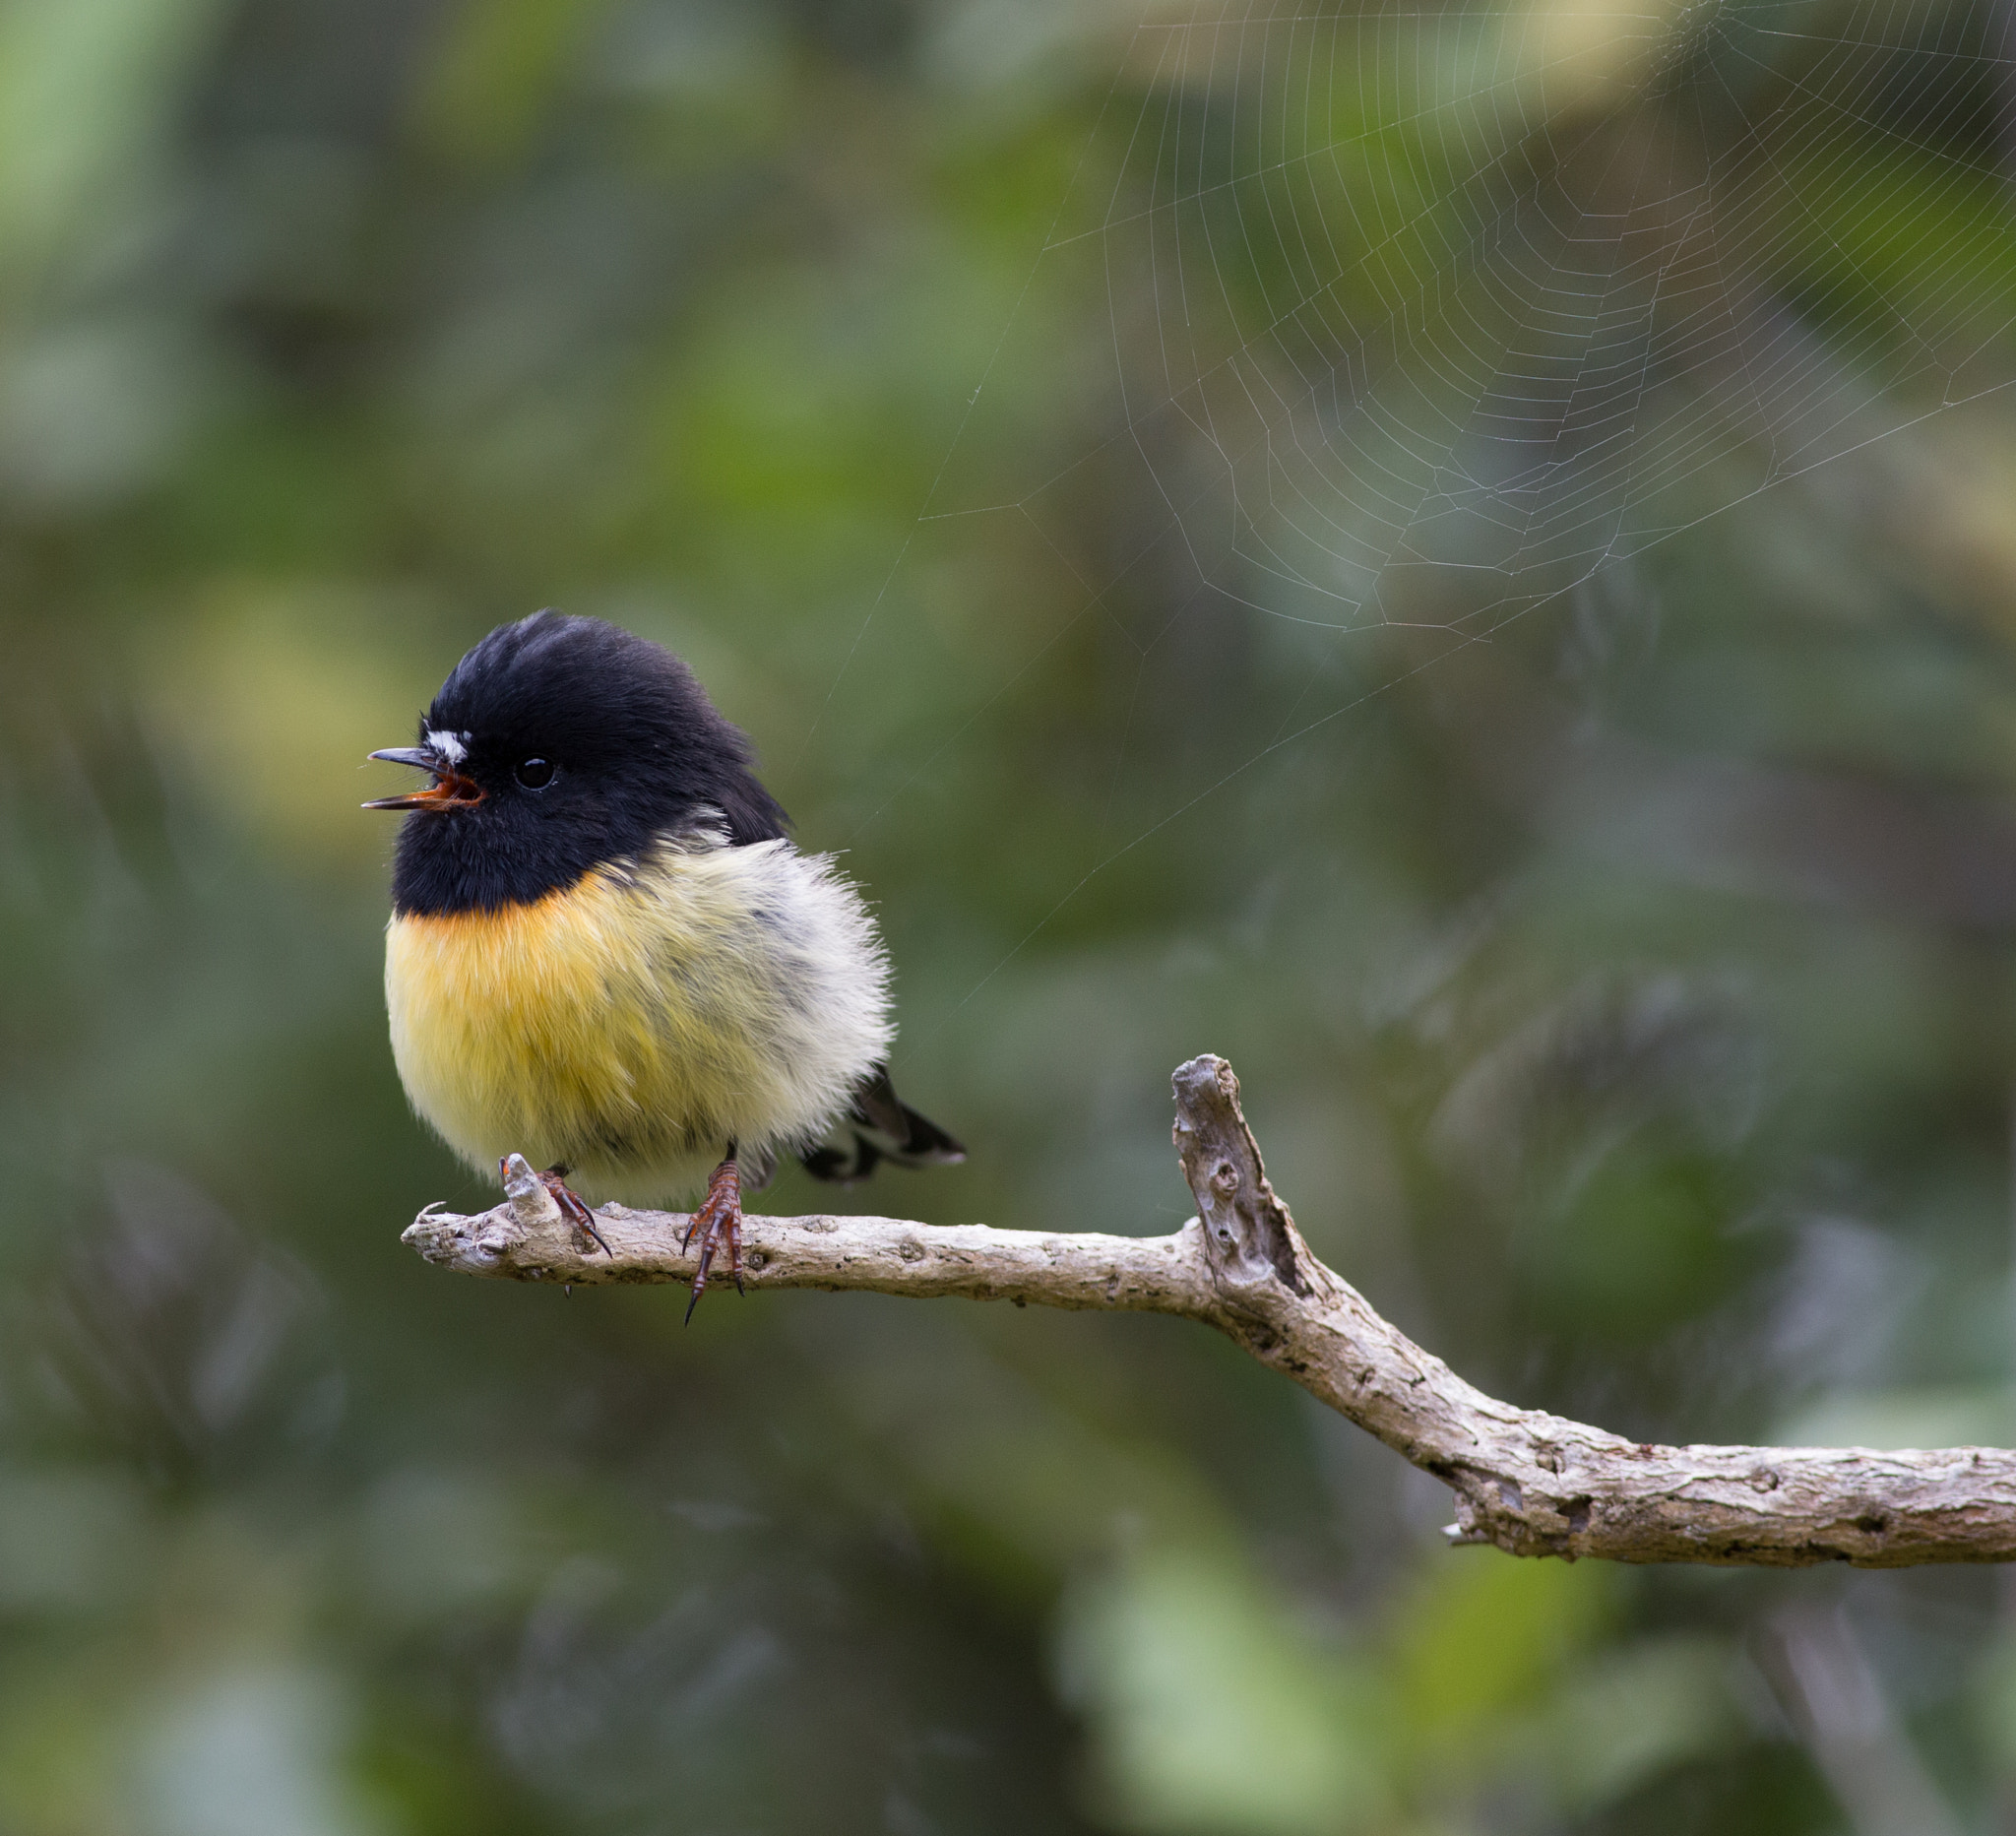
(1532, 1484)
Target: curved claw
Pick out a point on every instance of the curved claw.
(573, 1207)
(717, 1219)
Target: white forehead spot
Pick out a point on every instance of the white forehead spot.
(452, 746)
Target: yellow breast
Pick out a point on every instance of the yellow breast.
(630, 1026)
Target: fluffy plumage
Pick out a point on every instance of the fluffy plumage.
(605, 953)
(631, 1026)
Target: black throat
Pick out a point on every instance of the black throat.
(636, 750)
(460, 862)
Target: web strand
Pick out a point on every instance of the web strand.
(1421, 320)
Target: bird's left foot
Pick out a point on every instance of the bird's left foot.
(718, 1221)
(573, 1207)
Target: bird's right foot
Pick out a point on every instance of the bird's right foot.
(718, 1220)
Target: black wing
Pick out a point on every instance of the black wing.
(883, 1129)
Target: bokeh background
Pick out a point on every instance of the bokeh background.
(1462, 558)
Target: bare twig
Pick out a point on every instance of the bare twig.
(1531, 1483)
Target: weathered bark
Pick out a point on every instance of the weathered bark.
(1530, 1482)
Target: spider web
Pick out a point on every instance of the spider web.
(1421, 319)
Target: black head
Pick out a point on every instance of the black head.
(558, 744)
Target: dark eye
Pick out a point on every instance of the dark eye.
(535, 773)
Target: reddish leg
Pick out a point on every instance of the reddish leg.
(573, 1207)
(718, 1220)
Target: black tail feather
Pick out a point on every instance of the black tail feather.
(885, 1128)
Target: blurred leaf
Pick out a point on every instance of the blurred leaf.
(1947, 1415)
(1635, 1713)
(252, 1751)
(69, 1540)
(275, 691)
(175, 1340)
(1213, 1711)
(87, 91)
(1476, 1641)
(499, 65)
(92, 411)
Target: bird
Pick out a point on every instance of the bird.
(607, 953)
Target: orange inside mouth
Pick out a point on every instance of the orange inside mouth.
(451, 788)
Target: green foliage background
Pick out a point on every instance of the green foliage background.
(1618, 958)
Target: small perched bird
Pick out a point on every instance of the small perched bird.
(605, 953)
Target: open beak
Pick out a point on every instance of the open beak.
(449, 790)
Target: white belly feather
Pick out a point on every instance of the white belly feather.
(634, 1024)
